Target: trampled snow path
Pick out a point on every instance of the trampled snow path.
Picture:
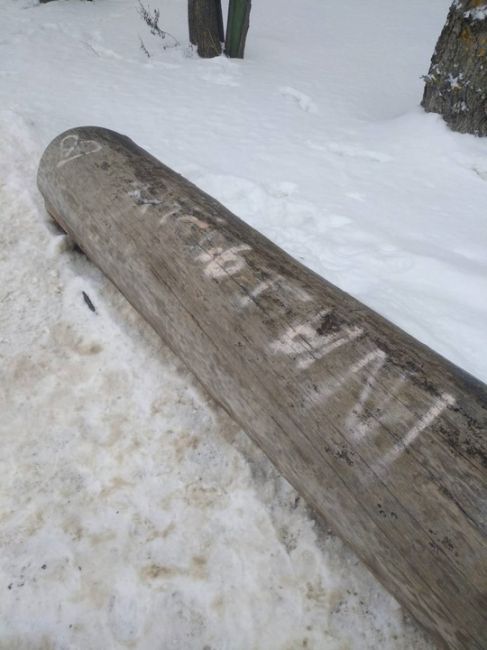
(134, 513)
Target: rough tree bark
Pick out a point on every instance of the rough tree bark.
(206, 26)
(456, 85)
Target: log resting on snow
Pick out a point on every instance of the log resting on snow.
(381, 435)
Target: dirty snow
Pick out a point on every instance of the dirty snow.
(134, 513)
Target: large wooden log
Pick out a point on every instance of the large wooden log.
(381, 435)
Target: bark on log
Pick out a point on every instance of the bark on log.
(381, 435)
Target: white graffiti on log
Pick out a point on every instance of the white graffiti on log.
(441, 403)
(222, 263)
(359, 427)
(298, 292)
(199, 223)
(355, 419)
(323, 392)
(72, 147)
(262, 287)
(175, 213)
(304, 341)
(308, 346)
(172, 212)
(266, 285)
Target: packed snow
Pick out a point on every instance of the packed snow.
(133, 512)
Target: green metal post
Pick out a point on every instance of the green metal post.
(237, 27)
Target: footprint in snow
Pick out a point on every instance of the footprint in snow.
(474, 163)
(102, 52)
(220, 79)
(350, 151)
(304, 102)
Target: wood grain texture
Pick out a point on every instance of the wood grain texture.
(382, 436)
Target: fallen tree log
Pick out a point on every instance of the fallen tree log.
(382, 436)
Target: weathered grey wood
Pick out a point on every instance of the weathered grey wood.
(382, 436)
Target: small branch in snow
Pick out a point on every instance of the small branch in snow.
(143, 48)
(151, 19)
(87, 300)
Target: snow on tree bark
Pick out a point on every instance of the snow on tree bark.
(456, 85)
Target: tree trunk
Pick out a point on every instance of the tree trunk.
(383, 437)
(237, 28)
(205, 26)
(219, 16)
(456, 85)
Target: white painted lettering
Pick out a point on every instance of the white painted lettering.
(222, 263)
(72, 147)
(304, 341)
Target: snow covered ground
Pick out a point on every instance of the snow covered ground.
(134, 514)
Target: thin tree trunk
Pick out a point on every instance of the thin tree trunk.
(205, 26)
(237, 27)
(219, 16)
(456, 85)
